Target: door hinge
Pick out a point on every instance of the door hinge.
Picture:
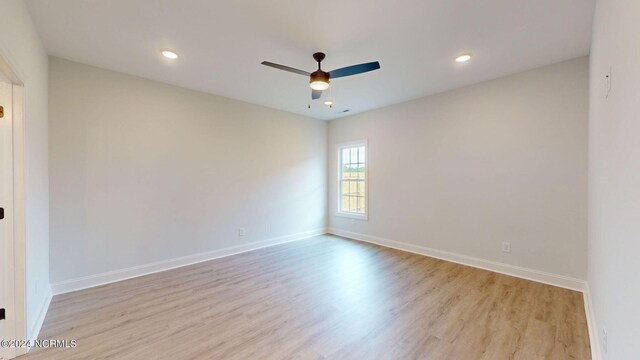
(1, 111)
(1, 213)
(2, 316)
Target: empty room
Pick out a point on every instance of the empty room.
(288, 179)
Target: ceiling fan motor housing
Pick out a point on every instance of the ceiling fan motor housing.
(319, 75)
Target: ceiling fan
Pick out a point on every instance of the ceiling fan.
(319, 80)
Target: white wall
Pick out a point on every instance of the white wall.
(142, 171)
(465, 170)
(614, 177)
(20, 47)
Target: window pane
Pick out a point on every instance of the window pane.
(354, 155)
(353, 187)
(361, 171)
(345, 188)
(361, 204)
(348, 172)
(361, 155)
(353, 203)
(345, 203)
(345, 156)
(361, 188)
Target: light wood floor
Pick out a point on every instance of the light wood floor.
(322, 298)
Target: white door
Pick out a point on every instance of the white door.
(6, 218)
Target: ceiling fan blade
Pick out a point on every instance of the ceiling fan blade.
(315, 94)
(354, 70)
(286, 68)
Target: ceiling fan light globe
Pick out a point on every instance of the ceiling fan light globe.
(319, 85)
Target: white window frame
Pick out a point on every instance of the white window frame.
(339, 148)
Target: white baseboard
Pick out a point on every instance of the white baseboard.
(135, 271)
(36, 326)
(594, 337)
(517, 271)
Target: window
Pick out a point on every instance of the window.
(352, 163)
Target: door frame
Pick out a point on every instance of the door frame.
(15, 258)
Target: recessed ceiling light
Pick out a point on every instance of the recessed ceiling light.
(169, 54)
(328, 102)
(463, 58)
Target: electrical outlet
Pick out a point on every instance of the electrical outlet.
(604, 340)
(241, 232)
(506, 247)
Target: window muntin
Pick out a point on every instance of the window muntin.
(353, 180)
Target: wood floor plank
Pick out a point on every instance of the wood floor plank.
(321, 298)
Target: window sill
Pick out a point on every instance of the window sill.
(363, 217)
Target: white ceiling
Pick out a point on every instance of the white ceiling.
(221, 43)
